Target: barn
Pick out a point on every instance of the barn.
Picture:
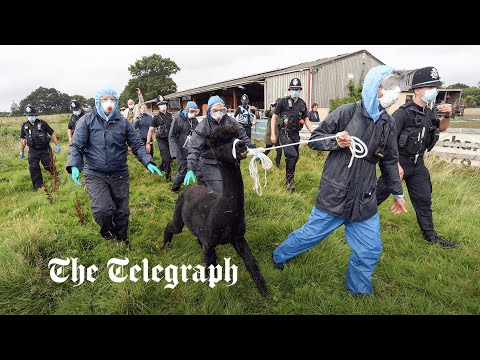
(322, 80)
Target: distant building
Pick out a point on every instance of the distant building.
(448, 96)
(322, 80)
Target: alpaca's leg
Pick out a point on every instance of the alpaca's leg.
(210, 255)
(244, 251)
(173, 227)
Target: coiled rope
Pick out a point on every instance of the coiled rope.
(357, 148)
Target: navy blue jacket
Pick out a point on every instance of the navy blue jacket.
(200, 150)
(142, 125)
(100, 147)
(349, 193)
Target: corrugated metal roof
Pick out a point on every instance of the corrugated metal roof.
(261, 77)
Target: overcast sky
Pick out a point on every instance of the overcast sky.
(81, 69)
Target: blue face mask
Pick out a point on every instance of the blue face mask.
(31, 118)
(430, 95)
(295, 93)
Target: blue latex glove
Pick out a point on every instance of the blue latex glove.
(152, 168)
(190, 176)
(57, 149)
(75, 175)
(257, 158)
(22, 155)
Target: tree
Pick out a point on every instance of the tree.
(47, 101)
(91, 103)
(15, 109)
(354, 95)
(152, 74)
(457, 86)
(474, 91)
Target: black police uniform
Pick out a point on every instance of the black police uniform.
(75, 106)
(73, 121)
(417, 132)
(38, 141)
(245, 116)
(290, 113)
(162, 122)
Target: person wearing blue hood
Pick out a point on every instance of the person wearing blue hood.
(181, 131)
(346, 196)
(99, 148)
(201, 162)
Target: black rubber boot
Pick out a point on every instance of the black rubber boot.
(435, 239)
(168, 177)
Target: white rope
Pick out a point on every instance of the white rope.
(357, 148)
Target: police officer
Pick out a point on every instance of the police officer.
(183, 126)
(268, 132)
(161, 126)
(77, 113)
(291, 113)
(201, 161)
(36, 133)
(245, 116)
(99, 147)
(418, 130)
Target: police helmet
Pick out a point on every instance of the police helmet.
(161, 100)
(295, 83)
(75, 105)
(425, 77)
(30, 110)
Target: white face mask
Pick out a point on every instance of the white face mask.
(108, 106)
(31, 118)
(131, 106)
(389, 97)
(191, 115)
(430, 95)
(163, 107)
(78, 112)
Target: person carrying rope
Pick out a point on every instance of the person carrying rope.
(346, 195)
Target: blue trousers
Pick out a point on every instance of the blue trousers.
(363, 237)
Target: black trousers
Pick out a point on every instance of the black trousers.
(248, 130)
(165, 154)
(144, 141)
(109, 200)
(34, 159)
(291, 152)
(419, 187)
(182, 171)
(278, 158)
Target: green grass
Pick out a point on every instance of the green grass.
(411, 277)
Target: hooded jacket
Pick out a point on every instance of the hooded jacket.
(179, 131)
(200, 147)
(349, 193)
(99, 146)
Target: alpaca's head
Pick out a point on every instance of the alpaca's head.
(222, 140)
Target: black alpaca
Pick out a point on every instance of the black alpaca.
(218, 218)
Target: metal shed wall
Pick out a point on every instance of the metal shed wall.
(277, 86)
(329, 81)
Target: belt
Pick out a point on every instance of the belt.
(412, 158)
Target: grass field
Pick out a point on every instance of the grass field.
(411, 276)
